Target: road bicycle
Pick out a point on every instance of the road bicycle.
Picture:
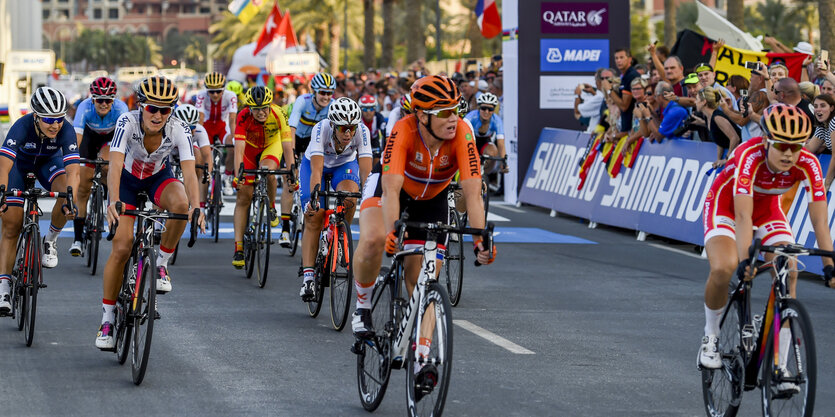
(27, 274)
(215, 199)
(136, 305)
(178, 174)
(401, 325)
(258, 233)
(94, 222)
(756, 351)
(296, 220)
(453, 268)
(333, 260)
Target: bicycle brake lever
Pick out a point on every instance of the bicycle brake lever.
(195, 216)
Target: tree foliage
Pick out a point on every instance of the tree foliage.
(100, 50)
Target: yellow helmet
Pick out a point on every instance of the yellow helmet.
(214, 80)
(157, 90)
(258, 97)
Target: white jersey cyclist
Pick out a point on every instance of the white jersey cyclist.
(128, 139)
(321, 143)
(216, 115)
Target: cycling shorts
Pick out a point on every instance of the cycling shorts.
(92, 142)
(130, 186)
(481, 142)
(301, 144)
(46, 172)
(216, 128)
(253, 157)
(347, 171)
(768, 217)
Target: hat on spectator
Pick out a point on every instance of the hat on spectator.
(691, 78)
(804, 48)
(703, 67)
(482, 85)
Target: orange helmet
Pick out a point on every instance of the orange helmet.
(786, 123)
(434, 92)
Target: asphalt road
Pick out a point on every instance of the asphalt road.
(598, 324)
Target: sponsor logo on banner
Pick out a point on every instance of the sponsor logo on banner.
(571, 55)
(574, 17)
(557, 91)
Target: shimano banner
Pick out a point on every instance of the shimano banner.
(801, 223)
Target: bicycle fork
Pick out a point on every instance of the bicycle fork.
(411, 321)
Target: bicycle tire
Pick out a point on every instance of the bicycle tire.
(722, 388)
(803, 341)
(143, 312)
(342, 276)
(440, 354)
(374, 354)
(98, 224)
(296, 218)
(249, 244)
(19, 290)
(124, 325)
(454, 260)
(32, 283)
(320, 269)
(263, 243)
(217, 204)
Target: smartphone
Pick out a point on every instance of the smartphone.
(752, 65)
(825, 56)
(743, 93)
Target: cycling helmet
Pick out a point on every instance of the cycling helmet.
(48, 102)
(488, 98)
(368, 100)
(157, 90)
(406, 103)
(463, 107)
(235, 87)
(188, 114)
(103, 86)
(322, 81)
(786, 123)
(344, 111)
(258, 97)
(214, 80)
(434, 92)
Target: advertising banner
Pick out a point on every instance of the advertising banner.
(573, 55)
(557, 91)
(574, 17)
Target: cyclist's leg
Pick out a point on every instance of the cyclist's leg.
(369, 253)
(52, 176)
(12, 220)
(230, 156)
(241, 207)
(169, 194)
(270, 159)
(204, 188)
(312, 224)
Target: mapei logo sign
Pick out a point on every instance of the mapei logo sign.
(575, 18)
(564, 55)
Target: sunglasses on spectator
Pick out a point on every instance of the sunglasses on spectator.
(103, 99)
(486, 108)
(443, 113)
(325, 92)
(52, 120)
(150, 108)
(345, 128)
(215, 91)
(783, 146)
(371, 108)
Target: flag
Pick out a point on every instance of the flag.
(487, 15)
(275, 27)
(245, 10)
(591, 154)
(286, 30)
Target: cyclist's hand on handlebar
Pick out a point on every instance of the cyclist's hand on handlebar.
(309, 209)
(505, 169)
(827, 275)
(201, 221)
(70, 212)
(236, 184)
(113, 214)
(482, 256)
(745, 271)
(291, 183)
(391, 243)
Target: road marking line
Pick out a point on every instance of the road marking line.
(507, 207)
(493, 338)
(683, 252)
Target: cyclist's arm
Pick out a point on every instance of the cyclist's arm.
(69, 150)
(365, 169)
(743, 209)
(392, 184)
(114, 173)
(500, 135)
(8, 153)
(232, 119)
(190, 181)
(78, 120)
(818, 214)
(206, 152)
(317, 163)
(240, 148)
(6, 165)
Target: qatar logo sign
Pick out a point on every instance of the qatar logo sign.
(575, 18)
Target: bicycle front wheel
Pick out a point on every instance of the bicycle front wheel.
(31, 283)
(428, 373)
(374, 354)
(789, 389)
(124, 322)
(296, 217)
(341, 276)
(722, 388)
(249, 243)
(454, 260)
(94, 234)
(321, 269)
(263, 240)
(217, 204)
(143, 311)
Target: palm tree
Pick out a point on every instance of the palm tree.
(736, 15)
(387, 58)
(368, 33)
(415, 45)
(669, 22)
(827, 23)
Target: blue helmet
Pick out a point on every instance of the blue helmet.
(322, 81)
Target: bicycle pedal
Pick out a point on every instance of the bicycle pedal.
(41, 285)
(358, 348)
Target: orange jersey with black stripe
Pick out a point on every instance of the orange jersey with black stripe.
(262, 135)
(426, 175)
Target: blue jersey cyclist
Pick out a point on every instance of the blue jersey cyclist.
(95, 122)
(41, 143)
(341, 147)
(488, 130)
(139, 154)
(308, 110)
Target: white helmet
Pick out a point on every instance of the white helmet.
(344, 111)
(188, 114)
(48, 102)
(488, 98)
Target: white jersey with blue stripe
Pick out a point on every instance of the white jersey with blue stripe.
(321, 143)
(129, 140)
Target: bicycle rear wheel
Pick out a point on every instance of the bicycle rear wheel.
(296, 217)
(341, 276)
(374, 354)
(19, 296)
(31, 284)
(216, 204)
(722, 388)
(143, 314)
(426, 397)
(800, 366)
(94, 235)
(454, 260)
(263, 241)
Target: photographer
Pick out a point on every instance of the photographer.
(644, 117)
(589, 100)
(673, 115)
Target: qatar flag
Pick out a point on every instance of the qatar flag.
(487, 15)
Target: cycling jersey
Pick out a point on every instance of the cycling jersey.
(495, 126)
(220, 111)
(199, 139)
(747, 173)
(321, 143)
(129, 140)
(263, 140)
(394, 115)
(376, 128)
(86, 116)
(305, 115)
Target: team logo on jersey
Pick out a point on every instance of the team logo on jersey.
(744, 180)
(444, 159)
(742, 190)
(418, 157)
(73, 147)
(709, 195)
(469, 137)
(10, 142)
(30, 145)
(386, 168)
(818, 193)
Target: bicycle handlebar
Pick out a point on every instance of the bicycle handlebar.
(485, 233)
(339, 195)
(156, 214)
(264, 171)
(792, 249)
(97, 161)
(35, 193)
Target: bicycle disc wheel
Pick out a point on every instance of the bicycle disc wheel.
(454, 260)
(722, 388)
(374, 354)
(295, 231)
(124, 324)
(341, 276)
(321, 270)
(262, 243)
(426, 397)
(32, 282)
(800, 366)
(144, 310)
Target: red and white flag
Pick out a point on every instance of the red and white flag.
(487, 15)
(276, 26)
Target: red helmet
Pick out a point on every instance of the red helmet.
(103, 86)
(367, 101)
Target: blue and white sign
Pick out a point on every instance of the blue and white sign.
(573, 55)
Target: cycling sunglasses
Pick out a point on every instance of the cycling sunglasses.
(215, 91)
(259, 108)
(103, 99)
(52, 120)
(443, 113)
(345, 128)
(371, 108)
(487, 108)
(783, 146)
(150, 108)
(325, 92)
